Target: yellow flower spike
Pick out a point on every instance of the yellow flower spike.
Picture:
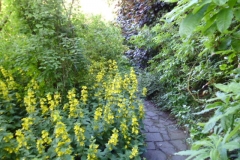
(124, 129)
(40, 146)
(79, 133)
(63, 140)
(8, 137)
(49, 97)
(98, 114)
(141, 110)
(43, 106)
(56, 117)
(113, 139)
(20, 139)
(144, 91)
(30, 101)
(84, 94)
(92, 151)
(27, 122)
(135, 125)
(134, 152)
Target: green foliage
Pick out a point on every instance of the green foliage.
(224, 126)
(55, 43)
(56, 100)
(101, 41)
(197, 47)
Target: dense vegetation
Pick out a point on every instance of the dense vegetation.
(65, 90)
(195, 72)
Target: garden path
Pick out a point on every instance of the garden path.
(163, 137)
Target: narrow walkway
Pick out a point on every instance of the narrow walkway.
(163, 137)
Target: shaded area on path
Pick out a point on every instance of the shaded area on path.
(163, 137)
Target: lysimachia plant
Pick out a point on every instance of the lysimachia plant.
(102, 120)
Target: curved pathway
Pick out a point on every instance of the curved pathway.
(163, 137)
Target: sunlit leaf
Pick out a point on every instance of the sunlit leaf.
(224, 19)
(190, 23)
(220, 2)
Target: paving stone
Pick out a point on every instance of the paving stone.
(177, 134)
(159, 125)
(166, 137)
(155, 155)
(148, 122)
(179, 144)
(166, 147)
(153, 137)
(150, 113)
(150, 145)
(152, 129)
(163, 130)
(155, 117)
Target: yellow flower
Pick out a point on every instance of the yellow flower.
(79, 133)
(8, 137)
(56, 117)
(45, 137)
(141, 110)
(113, 139)
(144, 91)
(30, 102)
(84, 94)
(43, 106)
(27, 122)
(135, 125)
(40, 146)
(124, 129)
(63, 140)
(92, 151)
(98, 114)
(20, 139)
(134, 152)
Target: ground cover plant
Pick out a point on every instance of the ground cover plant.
(65, 90)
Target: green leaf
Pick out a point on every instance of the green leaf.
(222, 87)
(235, 45)
(220, 2)
(231, 3)
(223, 67)
(232, 145)
(237, 14)
(190, 23)
(233, 132)
(204, 111)
(231, 110)
(200, 5)
(192, 153)
(202, 156)
(214, 154)
(224, 19)
(211, 123)
(222, 96)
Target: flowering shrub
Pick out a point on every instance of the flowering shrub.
(101, 120)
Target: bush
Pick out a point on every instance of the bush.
(102, 120)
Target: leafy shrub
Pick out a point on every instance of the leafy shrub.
(100, 40)
(223, 127)
(102, 120)
(55, 43)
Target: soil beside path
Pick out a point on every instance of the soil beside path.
(163, 137)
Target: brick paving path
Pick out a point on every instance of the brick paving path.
(163, 137)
